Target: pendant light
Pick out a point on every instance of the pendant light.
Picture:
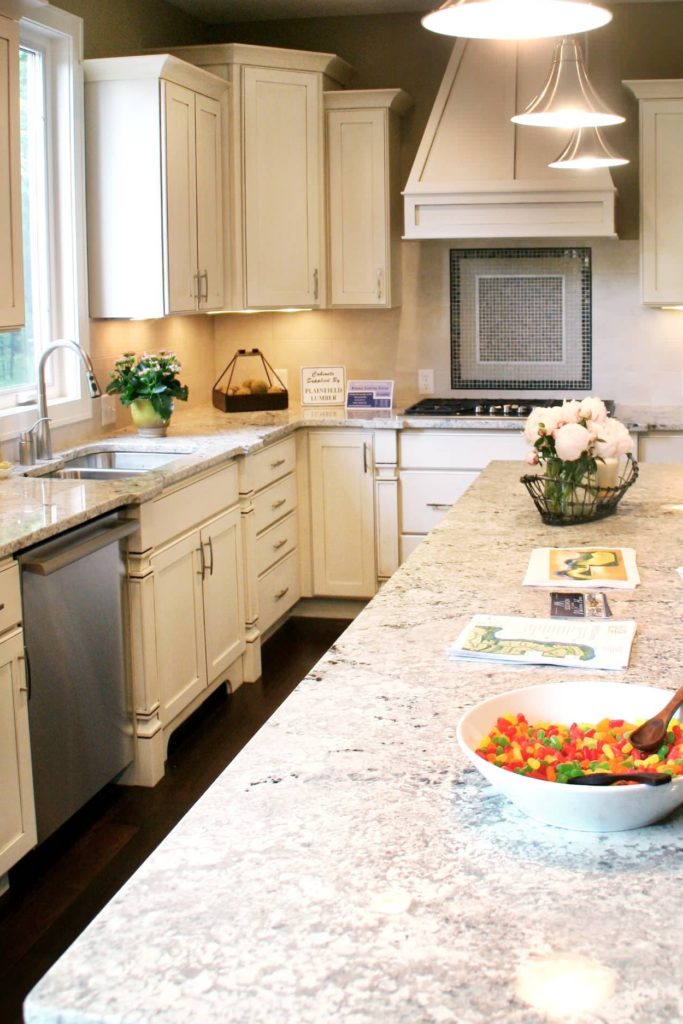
(586, 151)
(567, 100)
(515, 19)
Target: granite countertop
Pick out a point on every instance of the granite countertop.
(35, 508)
(351, 865)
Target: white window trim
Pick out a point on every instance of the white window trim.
(68, 224)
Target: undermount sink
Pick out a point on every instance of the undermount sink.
(87, 473)
(111, 465)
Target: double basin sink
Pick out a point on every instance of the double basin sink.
(111, 465)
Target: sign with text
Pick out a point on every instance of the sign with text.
(322, 385)
(369, 394)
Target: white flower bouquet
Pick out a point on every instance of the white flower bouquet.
(578, 445)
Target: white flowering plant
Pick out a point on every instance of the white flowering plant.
(572, 439)
(153, 376)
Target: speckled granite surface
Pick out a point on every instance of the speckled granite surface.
(33, 509)
(350, 865)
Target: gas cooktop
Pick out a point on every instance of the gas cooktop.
(483, 406)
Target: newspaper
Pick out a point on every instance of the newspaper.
(567, 642)
(583, 568)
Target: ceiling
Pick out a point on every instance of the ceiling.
(215, 12)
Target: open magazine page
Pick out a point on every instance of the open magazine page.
(583, 568)
(510, 638)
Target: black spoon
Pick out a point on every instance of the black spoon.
(609, 778)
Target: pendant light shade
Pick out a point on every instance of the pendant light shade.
(515, 19)
(587, 150)
(568, 100)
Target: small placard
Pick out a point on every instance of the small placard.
(322, 385)
(589, 606)
(370, 394)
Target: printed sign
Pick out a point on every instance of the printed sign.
(322, 385)
(370, 394)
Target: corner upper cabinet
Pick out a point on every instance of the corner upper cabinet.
(661, 189)
(155, 187)
(277, 173)
(364, 196)
(11, 252)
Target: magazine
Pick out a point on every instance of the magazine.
(567, 642)
(583, 568)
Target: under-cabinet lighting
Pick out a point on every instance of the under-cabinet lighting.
(671, 307)
(515, 19)
(277, 309)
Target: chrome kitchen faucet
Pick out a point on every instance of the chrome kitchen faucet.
(42, 424)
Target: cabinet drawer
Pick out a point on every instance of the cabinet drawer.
(276, 542)
(427, 497)
(278, 590)
(459, 449)
(182, 509)
(275, 502)
(275, 461)
(10, 598)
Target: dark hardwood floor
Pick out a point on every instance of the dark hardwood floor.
(59, 887)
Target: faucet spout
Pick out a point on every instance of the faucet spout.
(43, 434)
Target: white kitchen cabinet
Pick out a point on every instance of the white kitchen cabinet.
(660, 446)
(342, 513)
(364, 196)
(155, 187)
(661, 189)
(11, 252)
(437, 467)
(277, 210)
(187, 608)
(17, 815)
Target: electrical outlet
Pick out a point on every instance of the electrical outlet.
(284, 377)
(108, 410)
(425, 382)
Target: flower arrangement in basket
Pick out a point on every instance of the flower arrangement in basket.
(579, 446)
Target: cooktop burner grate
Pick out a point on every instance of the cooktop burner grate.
(517, 407)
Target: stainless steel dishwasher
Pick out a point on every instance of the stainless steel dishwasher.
(80, 715)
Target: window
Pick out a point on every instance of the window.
(51, 124)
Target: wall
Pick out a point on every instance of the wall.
(637, 352)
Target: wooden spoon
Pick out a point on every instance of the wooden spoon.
(651, 734)
(609, 778)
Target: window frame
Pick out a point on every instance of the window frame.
(59, 35)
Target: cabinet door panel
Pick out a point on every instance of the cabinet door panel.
(426, 497)
(209, 202)
(181, 190)
(11, 260)
(181, 665)
(282, 130)
(342, 514)
(17, 818)
(223, 592)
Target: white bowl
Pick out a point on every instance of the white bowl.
(584, 808)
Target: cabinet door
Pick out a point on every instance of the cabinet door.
(180, 215)
(359, 208)
(342, 514)
(282, 184)
(223, 587)
(17, 818)
(11, 255)
(209, 202)
(662, 201)
(179, 624)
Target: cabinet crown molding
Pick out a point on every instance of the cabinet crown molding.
(328, 64)
(154, 66)
(395, 100)
(655, 88)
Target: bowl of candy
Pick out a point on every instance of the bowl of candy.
(545, 746)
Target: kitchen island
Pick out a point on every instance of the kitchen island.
(351, 865)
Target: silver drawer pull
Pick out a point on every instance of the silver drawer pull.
(278, 462)
(438, 504)
(278, 504)
(280, 544)
(281, 593)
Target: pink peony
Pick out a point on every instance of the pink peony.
(571, 411)
(532, 458)
(571, 441)
(613, 440)
(593, 409)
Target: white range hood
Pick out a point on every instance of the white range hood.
(477, 175)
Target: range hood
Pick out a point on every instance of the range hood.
(477, 175)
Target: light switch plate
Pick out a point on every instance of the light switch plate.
(425, 382)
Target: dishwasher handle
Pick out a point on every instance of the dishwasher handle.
(70, 551)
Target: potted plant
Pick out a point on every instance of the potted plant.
(149, 385)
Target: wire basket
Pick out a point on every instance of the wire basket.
(249, 384)
(564, 503)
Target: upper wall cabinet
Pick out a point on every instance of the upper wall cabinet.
(276, 160)
(364, 196)
(661, 189)
(11, 255)
(155, 173)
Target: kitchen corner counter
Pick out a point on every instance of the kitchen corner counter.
(351, 865)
